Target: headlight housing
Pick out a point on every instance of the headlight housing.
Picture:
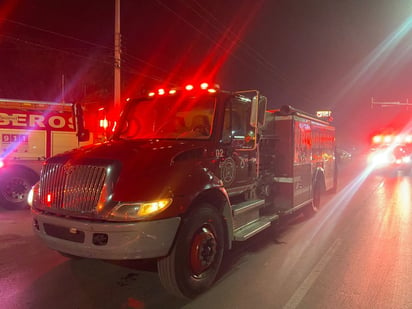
(129, 211)
(32, 197)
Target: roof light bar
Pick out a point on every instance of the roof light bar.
(387, 139)
(189, 87)
(377, 139)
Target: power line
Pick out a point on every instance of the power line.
(217, 44)
(217, 25)
(230, 36)
(58, 34)
(42, 46)
(94, 45)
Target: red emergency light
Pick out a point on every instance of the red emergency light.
(104, 123)
(390, 138)
(189, 87)
(387, 139)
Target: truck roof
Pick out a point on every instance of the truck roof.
(34, 105)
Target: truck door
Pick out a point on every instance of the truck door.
(238, 161)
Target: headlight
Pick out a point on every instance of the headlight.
(140, 210)
(406, 159)
(32, 196)
(380, 158)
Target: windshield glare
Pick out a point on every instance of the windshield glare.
(170, 117)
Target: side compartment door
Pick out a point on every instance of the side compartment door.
(302, 161)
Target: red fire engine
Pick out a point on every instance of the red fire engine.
(187, 172)
(30, 132)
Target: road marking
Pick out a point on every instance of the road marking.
(301, 291)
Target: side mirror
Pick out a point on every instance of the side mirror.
(83, 134)
(254, 111)
(257, 115)
(262, 110)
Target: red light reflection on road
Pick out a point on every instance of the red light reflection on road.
(395, 198)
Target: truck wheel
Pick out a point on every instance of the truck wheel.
(14, 188)
(312, 208)
(194, 261)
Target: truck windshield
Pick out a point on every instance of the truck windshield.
(168, 117)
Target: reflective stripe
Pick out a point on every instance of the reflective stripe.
(284, 179)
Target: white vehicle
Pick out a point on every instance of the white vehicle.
(30, 132)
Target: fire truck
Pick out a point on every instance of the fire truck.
(187, 172)
(391, 138)
(30, 132)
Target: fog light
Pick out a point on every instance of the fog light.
(100, 239)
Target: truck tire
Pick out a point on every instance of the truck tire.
(312, 208)
(15, 186)
(192, 265)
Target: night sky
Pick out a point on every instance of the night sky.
(318, 54)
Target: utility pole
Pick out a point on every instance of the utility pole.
(63, 98)
(117, 56)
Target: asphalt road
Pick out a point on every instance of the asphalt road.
(356, 252)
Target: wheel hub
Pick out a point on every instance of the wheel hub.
(203, 250)
(16, 189)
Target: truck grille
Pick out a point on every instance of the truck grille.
(71, 188)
